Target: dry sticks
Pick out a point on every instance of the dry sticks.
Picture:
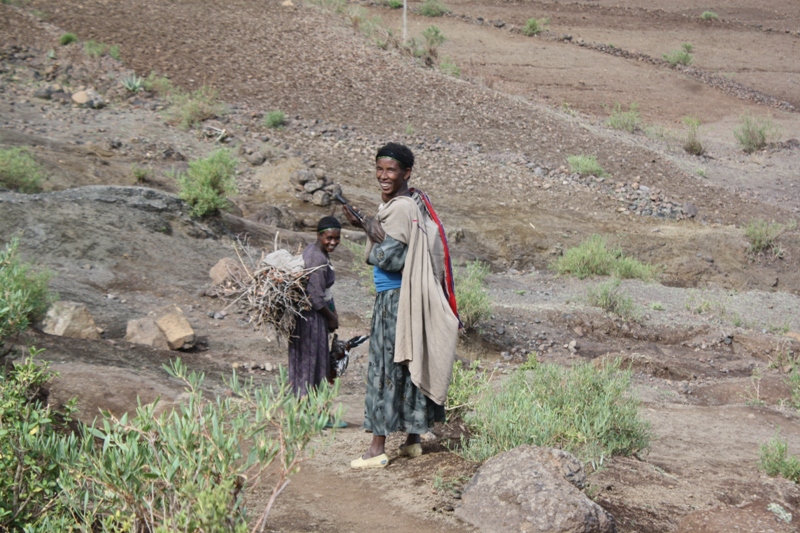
(272, 289)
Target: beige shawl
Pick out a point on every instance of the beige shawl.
(427, 329)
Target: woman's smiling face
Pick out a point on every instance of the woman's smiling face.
(392, 178)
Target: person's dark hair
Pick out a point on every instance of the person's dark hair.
(326, 223)
(399, 152)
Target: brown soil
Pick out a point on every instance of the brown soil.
(491, 151)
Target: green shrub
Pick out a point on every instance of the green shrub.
(467, 385)
(709, 15)
(19, 171)
(593, 258)
(190, 108)
(114, 52)
(680, 57)
(775, 460)
(609, 297)
(692, 144)
(433, 37)
(67, 38)
(394, 4)
(762, 234)
(160, 84)
(187, 469)
(132, 83)
(274, 119)
(94, 48)
(754, 133)
(449, 67)
(433, 8)
(209, 181)
(629, 120)
(474, 303)
(534, 26)
(585, 165)
(24, 296)
(588, 410)
(794, 386)
(141, 174)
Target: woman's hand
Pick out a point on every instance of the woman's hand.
(333, 322)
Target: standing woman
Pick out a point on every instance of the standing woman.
(414, 330)
(309, 352)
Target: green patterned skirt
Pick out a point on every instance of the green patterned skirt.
(393, 402)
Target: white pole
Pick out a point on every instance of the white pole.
(405, 10)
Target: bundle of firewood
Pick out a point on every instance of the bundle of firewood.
(271, 290)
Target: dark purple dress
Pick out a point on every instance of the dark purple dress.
(309, 351)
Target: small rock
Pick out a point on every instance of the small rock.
(256, 158)
(321, 198)
(219, 316)
(500, 330)
(146, 331)
(268, 367)
(44, 94)
(176, 328)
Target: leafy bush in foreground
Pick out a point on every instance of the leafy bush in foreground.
(24, 296)
(473, 301)
(19, 171)
(587, 410)
(775, 460)
(187, 469)
(209, 181)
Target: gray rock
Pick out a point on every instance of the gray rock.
(146, 331)
(313, 186)
(690, 210)
(255, 158)
(525, 490)
(70, 319)
(44, 94)
(301, 177)
(321, 198)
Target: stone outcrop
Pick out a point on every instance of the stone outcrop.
(70, 319)
(146, 331)
(530, 489)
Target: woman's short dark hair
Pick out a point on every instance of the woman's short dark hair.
(399, 152)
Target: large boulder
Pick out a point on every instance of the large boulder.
(70, 319)
(146, 331)
(179, 333)
(526, 490)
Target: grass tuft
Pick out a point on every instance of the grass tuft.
(534, 26)
(19, 171)
(593, 258)
(588, 410)
(774, 460)
(762, 234)
(474, 303)
(680, 57)
(190, 108)
(67, 38)
(160, 84)
(467, 385)
(95, 48)
(449, 67)
(274, 119)
(754, 133)
(709, 15)
(585, 165)
(629, 120)
(208, 183)
(433, 8)
(609, 297)
(692, 144)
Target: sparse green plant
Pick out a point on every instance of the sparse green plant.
(141, 174)
(410, 130)
(700, 172)
(19, 171)
(51, 54)
(692, 144)
(394, 4)
(657, 306)
(793, 378)
(753, 392)
(593, 257)
(586, 165)
(589, 410)
(162, 85)
(95, 48)
(361, 268)
(24, 296)
(333, 6)
(629, 120)
(190, 108)
(274, 119)
(187, 469)
(534, 26)
(208, 183)
(699, 303)
(467, 384)
(433, 37)
(132, 83)
(609, 297)
(433, 8)
(762, 234)
(67, 38)
(474, 303)
(709, 15)
(754, 133)
(114, 52)
(774, 460)
(680, 57)
(442, 485)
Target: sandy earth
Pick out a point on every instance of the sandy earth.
(522, 104)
